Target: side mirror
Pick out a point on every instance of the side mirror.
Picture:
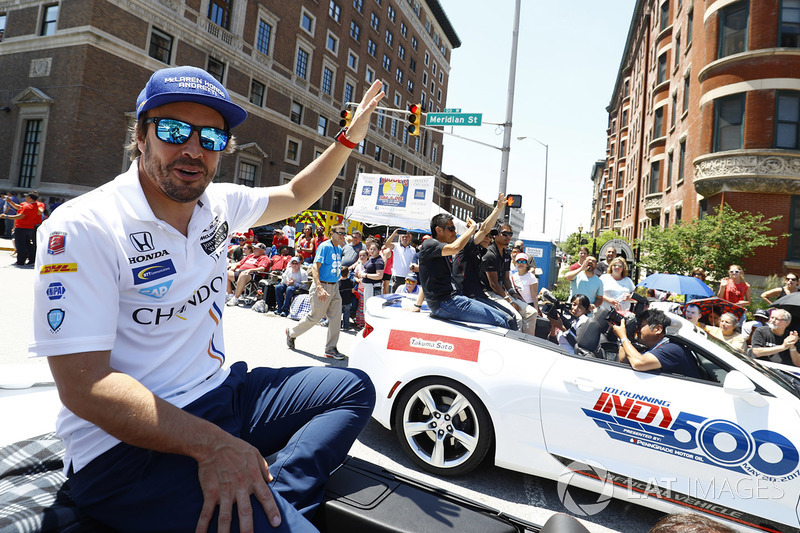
(737, 384)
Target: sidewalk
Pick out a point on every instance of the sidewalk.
(6, 245)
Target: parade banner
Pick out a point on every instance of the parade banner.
(405, 201)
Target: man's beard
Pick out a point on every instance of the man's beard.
(174, 188)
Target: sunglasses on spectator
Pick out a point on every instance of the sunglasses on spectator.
(734, 271)
(451, 228)
(791, 279)
(175, 131)
(340, 232)
(507, 233)
(522, 261)
(411, 281)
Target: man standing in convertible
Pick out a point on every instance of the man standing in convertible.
(160, 434)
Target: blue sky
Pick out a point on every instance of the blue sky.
(567, 61)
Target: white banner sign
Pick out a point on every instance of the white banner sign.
(401, 196)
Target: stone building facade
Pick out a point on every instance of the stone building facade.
(706, 111)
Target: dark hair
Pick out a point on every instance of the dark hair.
(33, 194)
(689, 523)
(654, 317)
(440, 220)
(583, 301)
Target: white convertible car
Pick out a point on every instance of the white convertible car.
(456, 394)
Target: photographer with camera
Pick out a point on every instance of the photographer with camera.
(661, 354)
(566, 325)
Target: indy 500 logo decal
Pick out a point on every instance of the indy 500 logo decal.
(651, 422)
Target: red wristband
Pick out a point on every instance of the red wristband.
(344, 140)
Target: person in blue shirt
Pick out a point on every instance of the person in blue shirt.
(661, 355)
(325, 297)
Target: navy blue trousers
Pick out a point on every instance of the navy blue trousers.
(310, 417)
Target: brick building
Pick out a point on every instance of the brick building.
(706, 111)
(72, 72)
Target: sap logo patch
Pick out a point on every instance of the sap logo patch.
(55, 317)
(157, 291)
(367, 190)
(149, 273)
(59, 267)
(56, 243)
(55, 291)
(419, 194)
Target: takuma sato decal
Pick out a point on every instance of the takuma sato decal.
(432, 344)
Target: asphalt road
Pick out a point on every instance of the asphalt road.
(258, 339)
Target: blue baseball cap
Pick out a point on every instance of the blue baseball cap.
(189, 84)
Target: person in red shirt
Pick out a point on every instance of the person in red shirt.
(240, 274)
(279, 239)
(319, 239)
(25, 222)
(281, 261)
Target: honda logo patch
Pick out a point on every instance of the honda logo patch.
(142, 241)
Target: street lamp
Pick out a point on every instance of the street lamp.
(546, 158)
(580, 230)
(561, 221)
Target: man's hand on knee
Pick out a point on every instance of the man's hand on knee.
(229, 475)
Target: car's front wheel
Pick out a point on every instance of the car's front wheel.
(443, 426)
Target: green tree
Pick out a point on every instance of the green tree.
(570, 245)
(713, 242)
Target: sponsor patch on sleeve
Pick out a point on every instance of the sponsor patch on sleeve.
(56, 244)
(152, 272)
(59, 267)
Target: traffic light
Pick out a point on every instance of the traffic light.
(347, 117)
(514, 201)
(414, 119)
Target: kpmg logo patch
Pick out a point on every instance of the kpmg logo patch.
(367, 190)
(142, 241)
(55, 317)
(157, 291)
(56, 243)
(55, 291)
(148, 273)
(419, 194)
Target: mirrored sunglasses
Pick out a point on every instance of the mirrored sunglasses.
(522, 261)
(507, 233)
(175, 131)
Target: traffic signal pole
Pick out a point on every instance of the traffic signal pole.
(512, 75)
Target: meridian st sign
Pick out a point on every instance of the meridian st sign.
(453, 119)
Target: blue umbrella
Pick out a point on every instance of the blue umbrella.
(677, 284)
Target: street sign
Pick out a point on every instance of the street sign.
(453, 119)
(452, 110)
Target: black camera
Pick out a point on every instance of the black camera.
(402, 232)
(554, 309)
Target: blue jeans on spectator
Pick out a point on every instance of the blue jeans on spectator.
(346, 308)
(309, 416)
(466, 309)
(283, 296)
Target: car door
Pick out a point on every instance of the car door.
(684, 440)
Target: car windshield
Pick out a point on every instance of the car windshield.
(786, 380)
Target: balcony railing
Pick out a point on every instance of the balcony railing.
(652, 205)
(760, 171)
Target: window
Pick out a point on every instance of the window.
(390, 12)
(377, 153)
(322, 126)
(412, 64)
(624, 122)
(216, 68)
(677, 51)
(355, 31)
(352, 60)
(794, 238)
(787, 120)
(655, 177)
(49, 19)
(247, 174)
(790, 24)
(370, 76)
(618, 210)
(389, 38)
(434, 150)
(401, 51)
(678, 214)
(371, 47)
(359, 5)
(387, 63)
(257, 93)
(413, 42)
(219, 12)
(662, 69)
(728, 122)
(664, 16)
(307, 22)
(669, 170)
(2, 25)
(301, 69)
(292, 151)
(160, 46)
(379, 122)
(296, 114)
(666, 220)
(335, 11)
(658, 123)
(689, 26)
(338, 202)
(622, 148)
(30, 153)
(399, 75)
(327, 80)
(673, 110)
(348, 92)
(620, 180)
(264, 36)
(686, 94)
(410, 86)
(427, 58)
(374, 21)
(681, 161)
(403, 29)
(733, 29)
(394, 127)
(332, 43)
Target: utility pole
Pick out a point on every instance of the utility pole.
(512, 74)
